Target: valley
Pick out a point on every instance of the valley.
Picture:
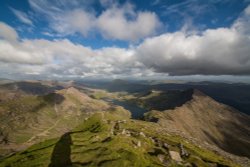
(71, 124)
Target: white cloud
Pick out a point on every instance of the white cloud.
(7, 33)
(213, 51)
(22, 16)
(114, 22)
(242, 24)
(221, 51)
(62, 58)
(72, 22)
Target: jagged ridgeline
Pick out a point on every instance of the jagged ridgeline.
(113, 139)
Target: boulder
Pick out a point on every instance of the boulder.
(175, 156)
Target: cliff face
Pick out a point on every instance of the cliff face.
(208, 121)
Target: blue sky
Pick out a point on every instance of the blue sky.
(173, 14)
(124, 38)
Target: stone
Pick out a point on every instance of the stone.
(183, 152)
(175, 156)
(123, 131)
(128, 134)
(139, 144)
(142, 134)
(152, 139)
(160, 157)
(165, 145)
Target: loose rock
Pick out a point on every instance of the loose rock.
(175, 156)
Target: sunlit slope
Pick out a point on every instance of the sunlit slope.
(112, 139)
(208, 121)
(27, 119)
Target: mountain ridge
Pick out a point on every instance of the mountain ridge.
(187, 116)
(207, 120)
(113, 139)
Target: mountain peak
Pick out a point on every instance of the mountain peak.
(197, 92)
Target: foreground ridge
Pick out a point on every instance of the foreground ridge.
(113, 139)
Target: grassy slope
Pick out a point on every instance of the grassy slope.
(29, 119)
(99, 141)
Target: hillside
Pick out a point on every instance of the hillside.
(26, 119)
(55, 124)
(162, 100)
(211, 122)
(112, 139)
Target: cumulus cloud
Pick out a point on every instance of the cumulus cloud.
(119, 22)
(211, 52)
(23, 17)
(220, 51)
(61, 57)
(114, 23)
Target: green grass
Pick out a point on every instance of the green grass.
(37, 155)
(92, 144)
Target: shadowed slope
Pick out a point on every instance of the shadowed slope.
(61, 153)
(158, 100)
(207, 120)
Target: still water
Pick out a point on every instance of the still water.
(136, 111)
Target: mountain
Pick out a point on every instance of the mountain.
(26, 119)
(236, 95)
(207, 120)
(31, 87)
(50, 123)
(162, 100)
(117, 85)
(113, 139)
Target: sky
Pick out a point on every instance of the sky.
(149, 39)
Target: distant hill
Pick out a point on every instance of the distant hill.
(205, 119)
(236, 95)
(31, 87)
